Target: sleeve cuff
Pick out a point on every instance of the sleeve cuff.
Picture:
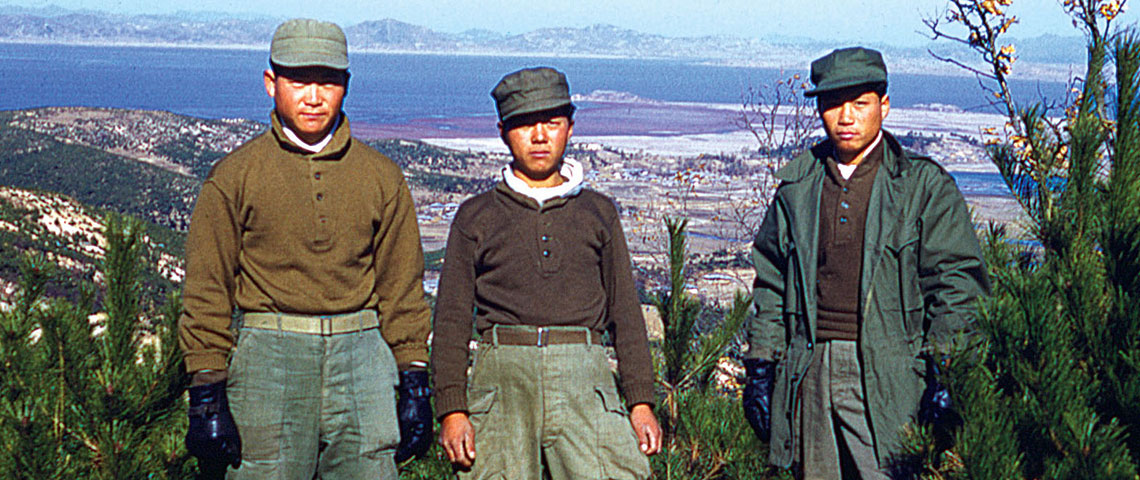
(450, 400)
(639, 393)
(410, 353)
(205, 361)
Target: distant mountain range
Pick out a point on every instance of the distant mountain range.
(54, 25)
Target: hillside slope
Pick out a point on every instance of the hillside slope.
(71, 235)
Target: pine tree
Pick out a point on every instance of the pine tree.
(83, 400)
(706, 435)
(1052, 392)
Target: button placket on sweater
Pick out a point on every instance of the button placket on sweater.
(322, 231)
(842, 223)
(546, 242)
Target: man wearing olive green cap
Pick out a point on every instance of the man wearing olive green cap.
(542, 262)
(867, 270)
(306, 239)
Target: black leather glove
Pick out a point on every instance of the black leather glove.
(212, 436)
(413, 409)
(936, 407)
(757, 400)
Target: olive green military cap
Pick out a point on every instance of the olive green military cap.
(847, 67)
(531, 90)
(302, 42)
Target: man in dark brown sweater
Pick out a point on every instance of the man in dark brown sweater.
(543, 265)
(311, 237)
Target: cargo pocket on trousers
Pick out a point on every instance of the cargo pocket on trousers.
(481, 400)
(480, 403)
(256, 390)
(372, 370)
(618, 452)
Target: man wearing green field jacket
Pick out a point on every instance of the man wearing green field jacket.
(867, 271)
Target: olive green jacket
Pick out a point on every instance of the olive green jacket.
(922, 271)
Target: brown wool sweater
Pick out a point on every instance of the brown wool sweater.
(279, 229)
(842, 220)
(513, 263)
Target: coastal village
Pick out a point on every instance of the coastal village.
(723, 194)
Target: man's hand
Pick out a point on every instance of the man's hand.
(647, 429)
(212, 436)
(413, 410)
(757, 398)
(457, 437)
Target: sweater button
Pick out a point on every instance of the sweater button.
(317, 176)
(545, 238)
(546, 253)
(844, 204)
(320, 196)
(842, 219)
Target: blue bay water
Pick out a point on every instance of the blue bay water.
(989, 184)
(386, 88)
(397, 88)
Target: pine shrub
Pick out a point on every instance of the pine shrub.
(83, 399)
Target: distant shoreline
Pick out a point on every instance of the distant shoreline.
(1048, 72)
(354, 50)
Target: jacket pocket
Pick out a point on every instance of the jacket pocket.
(904, 254)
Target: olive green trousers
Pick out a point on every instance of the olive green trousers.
(312, 406)
(833, 418)
(553, 407)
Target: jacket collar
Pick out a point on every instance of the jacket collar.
(335, 150)
(895, 160)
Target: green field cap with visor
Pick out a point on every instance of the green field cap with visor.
(846, 67)
(531, 90)
(302, 42)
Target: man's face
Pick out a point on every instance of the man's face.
(537, 142)
(307, 99)
(852, 118)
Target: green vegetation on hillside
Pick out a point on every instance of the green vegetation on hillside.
(78, 253)
(185, 152)
(35, 161)
(423, 163)
(91, 400)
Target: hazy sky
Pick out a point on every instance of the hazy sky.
(897, 22)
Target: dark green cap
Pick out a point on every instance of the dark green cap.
(302, 42)
(531, 90)
(847, 67)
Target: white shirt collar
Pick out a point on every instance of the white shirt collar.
(316, 147)
(571, 169)
(846, 169)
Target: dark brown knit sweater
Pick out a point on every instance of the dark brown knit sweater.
(513, 263)
(842, 218)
